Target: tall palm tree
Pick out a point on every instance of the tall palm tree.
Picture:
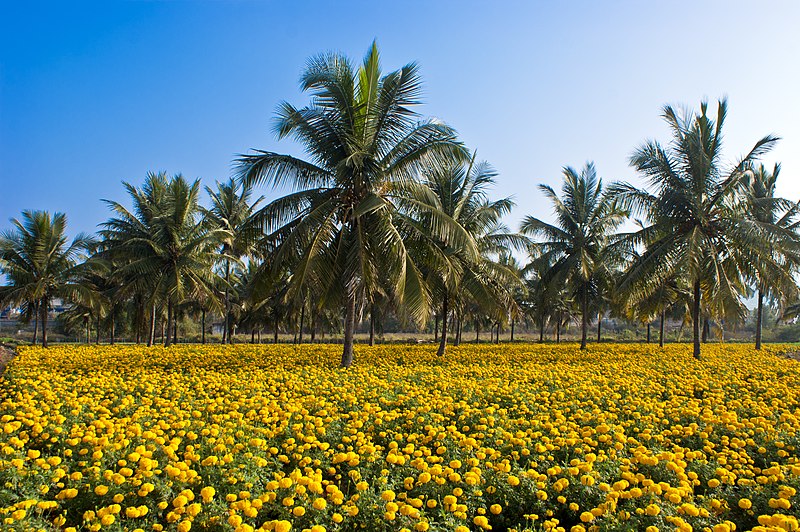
(39, 263)
(232, 212)
(95, 294)
(365, 145)
(162, 245)
(695, 224)
(518, 291)
(540, 293)
(455, 271)
(780, 215)
(577, 244)
(130, 239)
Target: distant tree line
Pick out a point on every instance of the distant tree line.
(390, 214)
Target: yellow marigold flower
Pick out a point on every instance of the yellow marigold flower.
(283, 526)
(207, 493)
(652, 510)
(745, 504)
(481, 521)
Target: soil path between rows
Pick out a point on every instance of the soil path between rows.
(6, 354)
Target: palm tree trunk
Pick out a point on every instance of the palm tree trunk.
(275, 331)
(349, 328)
(696, 320)
(97, 332)
(459, 324)
(226, 335)
(599, 324)
(253, 335)
(436, 328)
(513, 322)
(302, 321)
(661, 329)
(558, 329)
(313, 326)
(168, 336)
(445, 310)
(706, 330)
(648, 332)
(175, 329)
(477, 332)
(203, 326)
(541, 330)
(112, 326)
(759, 318)
(44, 305)
(372, 324)
(152, 336)
(35, 321)
(139, 320)
(86, 325)
(584, 318)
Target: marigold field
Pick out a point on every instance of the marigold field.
(525, 437)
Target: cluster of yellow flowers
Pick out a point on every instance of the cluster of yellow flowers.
(511, 437)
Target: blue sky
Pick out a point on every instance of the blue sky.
(95, 93)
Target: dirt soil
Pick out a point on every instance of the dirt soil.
(6, 354)
(794, 355)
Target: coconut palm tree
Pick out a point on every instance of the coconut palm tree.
(454, 271)
(130, 240)
(695, 225)
(39, 263)
(539, 293)
(518, 292)
(577, 244)
(231, 212)
(162, 246)
(780, 215)
(365, 144)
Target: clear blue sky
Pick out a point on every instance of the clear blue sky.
(95, 93)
